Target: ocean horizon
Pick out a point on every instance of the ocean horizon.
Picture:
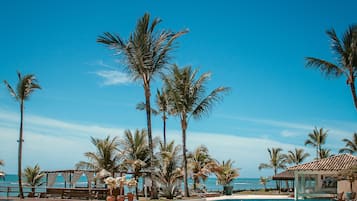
(210, 184)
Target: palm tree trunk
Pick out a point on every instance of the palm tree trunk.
(151, 147)
(353, 90)
(19, 170)
(136, 188)
(276, 182)
(164, 121)
(184, 127)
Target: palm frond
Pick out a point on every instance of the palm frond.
(329, 69)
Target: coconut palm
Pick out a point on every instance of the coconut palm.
(146, 53)
(33, 177)
(325, 153)
(107, 156)
(136, 152)
(351, 145)
(345, 51)
(187, 99)
(316, 139)
(199, 163)
(169, 172)
(25, 86)
(297, 156)
(277, 161)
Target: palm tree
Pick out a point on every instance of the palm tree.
(187, 99)
(200, 162)
(162, 103)
(169, 169)
(33, 177)
(136, 152)
(107, 156)
(346, 53)
(325, 153)
(316, 139)
(264, 181)
(225, 174)
(25, 86)
(277, 161)
(146, 54)
(351, 145)
(297, 156)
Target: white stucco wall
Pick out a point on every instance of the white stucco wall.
(344, 186)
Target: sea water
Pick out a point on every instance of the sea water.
(210, 184)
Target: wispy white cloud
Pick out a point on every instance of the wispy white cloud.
(57, 144)
(113, 77)
(288, 133)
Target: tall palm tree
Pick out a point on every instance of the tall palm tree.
(136, 152)
(106, 157)
(169, 171)
(345, 51)
(297, 156)
(316, 139)
(33, 177)
(199, 163)
(25, 86)
(146, 53)
(277, 161)
(187, 99)
(351, 145)
(162, 103)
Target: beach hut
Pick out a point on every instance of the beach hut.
(319, 178)
(286, 176)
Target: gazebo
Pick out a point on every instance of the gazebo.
(319, 178)
(285, 176)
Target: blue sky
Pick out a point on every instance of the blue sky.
(255, 47)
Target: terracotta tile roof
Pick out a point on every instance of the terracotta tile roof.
(286, 175)
(333, 163)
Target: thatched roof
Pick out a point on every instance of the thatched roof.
(286, 175)
(333, 163)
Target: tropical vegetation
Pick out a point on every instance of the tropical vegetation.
(136, 152)
(345, 51)
(201, 164)
(26, 85)
(187, 99)
(225, 173)
(146, 54)
(297, 156)
(277, 161)
(169, 171)
(33, 178)
(107, 156)
(316, 139)
(351, 145)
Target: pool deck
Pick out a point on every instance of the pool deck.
(236, 197)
